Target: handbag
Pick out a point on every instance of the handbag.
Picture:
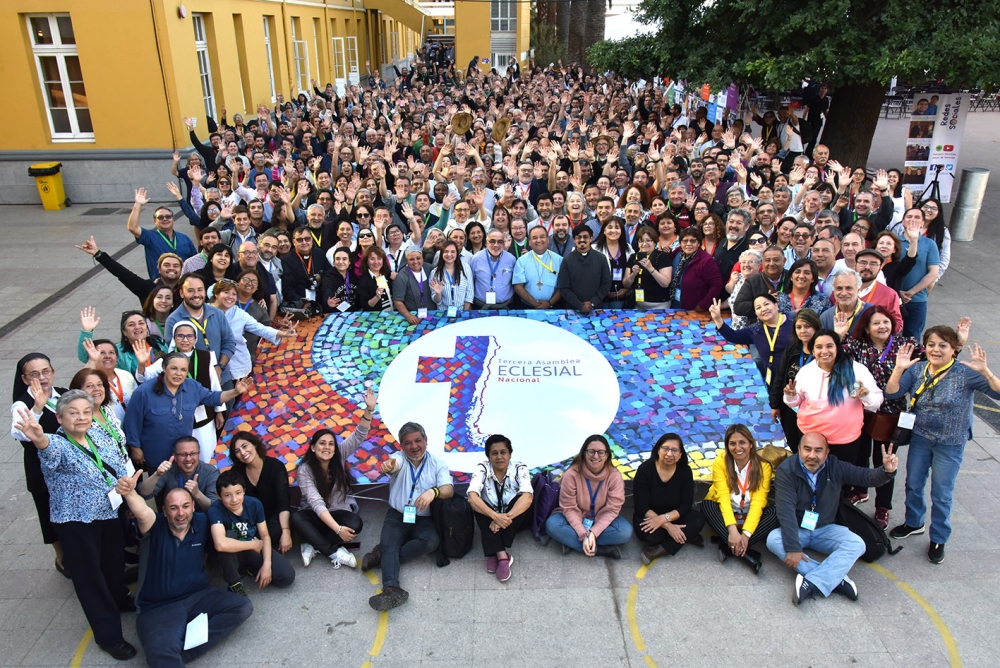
(880, 426)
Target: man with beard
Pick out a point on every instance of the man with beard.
(868, 263)
(560, 242)
(765, 221)
(801, 248)
(727, 254)
(212, 329)
(584, 276)
(249, 258)
(267, 259)
(174, 586)
(169, 266)
(209, 237)
(696, 176)
(864, 207)
(162, 239)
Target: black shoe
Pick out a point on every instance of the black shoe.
(905, 531)
(724, 552)
(651, 553)
(803, 590)
(697, 540)
(122, 651)
(847, 588)
(752, 557)
(608, 551)
(128, 605)
(373, 559)
(391, 597)
(565, 550)
(63, 571)
(936, 553)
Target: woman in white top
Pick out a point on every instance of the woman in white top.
(451, 281)
(500, 493)
(227, 300)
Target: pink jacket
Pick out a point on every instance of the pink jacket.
(574, 498)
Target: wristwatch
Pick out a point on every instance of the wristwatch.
(747, 533)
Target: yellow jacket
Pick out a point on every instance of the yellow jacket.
(719, 492)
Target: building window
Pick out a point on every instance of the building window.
(61, 77)
(204, 64)
(503, 16)
(352, 60)
(267, 53)
(300, 51)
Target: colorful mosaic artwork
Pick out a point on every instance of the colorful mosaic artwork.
(674, 374)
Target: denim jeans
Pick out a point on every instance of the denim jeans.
(616, 533)
(915, 319)
(161, 630)
(943, 463)
(404, 542)
(842, 546)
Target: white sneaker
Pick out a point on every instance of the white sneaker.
(343, 558)
(308, 552)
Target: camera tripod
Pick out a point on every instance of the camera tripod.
(933, 189)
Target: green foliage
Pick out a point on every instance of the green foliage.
(773, 44)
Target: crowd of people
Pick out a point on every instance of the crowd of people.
(552, 188)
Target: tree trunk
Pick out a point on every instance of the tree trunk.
(595, 25)
(576, 52)
(562, 10)
(850, 126)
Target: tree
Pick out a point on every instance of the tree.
(855, 46)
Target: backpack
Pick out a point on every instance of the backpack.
(877, 543)
(546, 500)
(456, 528)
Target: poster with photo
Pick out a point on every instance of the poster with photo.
(933, 139)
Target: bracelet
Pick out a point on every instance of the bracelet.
(437, 493)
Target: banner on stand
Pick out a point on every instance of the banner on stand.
(933, 140)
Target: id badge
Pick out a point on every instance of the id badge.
(452, 311)
(588, 523)
(906, 420)
(616, 274)
(809, 519)
(115, 498)
(310, 295)
(677, 296)
(409, 514)
(129, 467)
(422, 313)
(640, 295)
(343, 306)
(491, 297)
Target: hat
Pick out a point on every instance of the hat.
(500, 129)
(604, 137)
(461, 122)
(870, 251)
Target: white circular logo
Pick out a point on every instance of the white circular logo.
(543, 388)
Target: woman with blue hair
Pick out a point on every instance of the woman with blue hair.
(831, 394)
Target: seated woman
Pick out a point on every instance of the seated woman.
(591, 494)
(736, 504)
(771, 333)
(695, 280)
(267, 481)
(663, 492)
(326, 520)
(800, 291)
(500, 493)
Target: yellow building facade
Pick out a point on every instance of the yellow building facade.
(103, 87)
(509, 36)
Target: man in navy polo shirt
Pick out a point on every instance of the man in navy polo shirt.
(173, 585)
(162, 239)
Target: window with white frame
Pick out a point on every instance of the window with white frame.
(204, 63)
(503, 15)
(267, 53)
(352, 59)
(300, 51)
(60, 77)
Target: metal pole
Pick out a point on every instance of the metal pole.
(971, 191)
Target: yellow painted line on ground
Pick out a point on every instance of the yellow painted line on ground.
(987, 408)
(81, 649)
(630, 617)
(383, 624)
(954, 657)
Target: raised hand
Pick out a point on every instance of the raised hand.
(140, 197)
(88, 318)
(165, 466)
(127, 484)
(978, 362)
(28, 425)
(790, 389)
(92, 353)
(963, 328)
(904, 357)
(841, 323)
(370, 399)
(881, 179)
(715, 311)
(174, 190)
(889, 459)
(192, 485)
(141, 350)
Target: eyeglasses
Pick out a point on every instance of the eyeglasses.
(364, 215)
(38, 375)
(494, 242)
(758, 240)
(929, 207)
(185, 455)
(366, 236)
(223, 183)
(801, 235)
(168, 216)
(249, 281)
(248, 252)
(597, 454)
(671, 451)
(863, 263)
(184, 337)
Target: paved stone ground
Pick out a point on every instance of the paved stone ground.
(555, 611)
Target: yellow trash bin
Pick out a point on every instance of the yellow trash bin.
(50, 184)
